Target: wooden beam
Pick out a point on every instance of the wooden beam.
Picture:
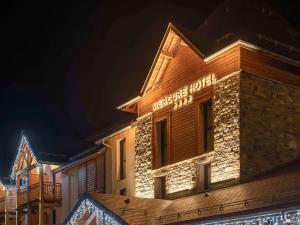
(90, 219)
(27, 169)
(41, 195)
(167, 54)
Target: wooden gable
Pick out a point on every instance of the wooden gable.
(25, 157)
(172, 39)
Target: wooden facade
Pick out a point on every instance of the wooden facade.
(183, 66)
(7, 204)
(36, 190)
(80, 176)
(91, 175)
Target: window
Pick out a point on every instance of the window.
(161, 142)
(23, 181)
(123, 191)
(203, 177)
(160, 187)
(122, 162)
(53, 216)
(91, 176)
(206, 176)
(208, 131)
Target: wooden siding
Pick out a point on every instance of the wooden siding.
(82, 179)
(183, 133)
(185, 68)
(91, 175)
(260, 64)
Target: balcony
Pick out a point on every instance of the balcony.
(10, 204)
(51, 193)
(2, 204)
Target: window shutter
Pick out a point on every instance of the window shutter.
(91, 176)
(100, 174)
(82, 179)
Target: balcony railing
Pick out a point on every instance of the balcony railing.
(10, 204)
(51, 193)
(2, 204)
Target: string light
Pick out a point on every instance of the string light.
(289, 217)
(88, 207)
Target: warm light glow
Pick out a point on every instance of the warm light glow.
(88, 207)
(53, 167)
(184, 95)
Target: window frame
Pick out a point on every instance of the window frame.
(122, 161)
(156, 163)
(200, 123)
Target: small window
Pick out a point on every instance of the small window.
(123, 191)
(122, 162)
(207, 176)
(208, 131)
(54, 216)
(160, 187)
(161, 142)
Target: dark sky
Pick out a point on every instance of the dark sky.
(66, 65)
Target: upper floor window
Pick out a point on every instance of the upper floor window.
(122, 159)
(208, 131)
(207, 176)
(161, 142)
(160, 187)
(123, 191)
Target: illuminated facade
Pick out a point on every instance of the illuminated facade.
(216, 140)
(37, 196)
(7, 203)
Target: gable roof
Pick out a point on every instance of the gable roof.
(171, 38)
(52, 150)
(252, 24)
(251, 21)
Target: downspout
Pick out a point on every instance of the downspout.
(105, 163)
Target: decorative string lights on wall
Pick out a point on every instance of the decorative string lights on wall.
(93, 212)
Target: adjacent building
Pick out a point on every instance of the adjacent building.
(7, 202)
(38, 192)
(217, 131)
(216, 139)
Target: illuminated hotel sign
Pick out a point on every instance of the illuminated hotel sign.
(184, 95)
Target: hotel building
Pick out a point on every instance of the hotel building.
(216, 139)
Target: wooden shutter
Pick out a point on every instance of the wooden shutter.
(91, 176)
(100, 174)
(82, 179)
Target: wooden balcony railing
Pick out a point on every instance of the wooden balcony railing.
(52, 193)
(10, 204)
(2, 204)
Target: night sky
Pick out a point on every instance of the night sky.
(66, 65)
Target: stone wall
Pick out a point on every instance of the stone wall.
(182, 176)
(270, 124)
(224, 159)
(144, 183)
(179, 176)
(225, 164)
